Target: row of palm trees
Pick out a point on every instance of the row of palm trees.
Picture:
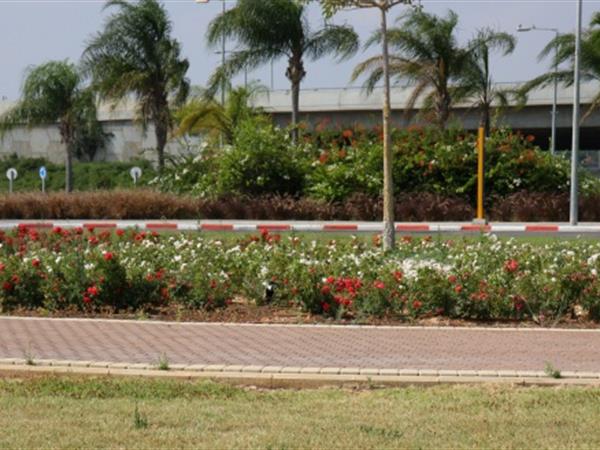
(135, 55)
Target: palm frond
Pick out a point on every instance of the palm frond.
(341, 41)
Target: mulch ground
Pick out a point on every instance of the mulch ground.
(270, 314)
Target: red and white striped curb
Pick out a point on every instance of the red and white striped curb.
(240, 226)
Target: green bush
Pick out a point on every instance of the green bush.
(88, 176)
(436, 161)
(261, 160)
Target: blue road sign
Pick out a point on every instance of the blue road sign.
(43, 173)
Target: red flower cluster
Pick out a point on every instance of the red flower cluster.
(90, 293)
(342, 290)
(512, 265)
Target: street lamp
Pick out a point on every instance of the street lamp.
(523, 29)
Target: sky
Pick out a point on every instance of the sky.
(36, 31)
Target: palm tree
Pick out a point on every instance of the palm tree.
(427, 55)
(563, 49)
(54, 92)
(136, 55)
(202, 115)
(268, 30)
(476, 80)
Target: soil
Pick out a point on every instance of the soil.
(271, 314)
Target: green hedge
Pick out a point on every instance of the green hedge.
(88, 176)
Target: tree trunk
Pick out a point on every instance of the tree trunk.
(69, 169)
(161, 131)
(389, 232)
(484, 119)
(295, 73)
(443, 110)
(66, 134)
(295, 109)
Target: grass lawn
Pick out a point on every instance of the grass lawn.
(101, 412)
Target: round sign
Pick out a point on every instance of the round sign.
(135, 173)
(12, 174)
(43, 173)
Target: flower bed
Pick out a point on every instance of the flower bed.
(94, 270)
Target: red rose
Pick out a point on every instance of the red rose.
(452, 279)
(325, 306)
(330, 280)
(7, 286)
(326, 290)
(92, 290)
(108, 256)
(35, 262)
(120, 232)
(379, 284)
(512, 265)
(86, 299)
(57, 230)
(458, 288)
(417, 304)
(15, 279)
(398, 275)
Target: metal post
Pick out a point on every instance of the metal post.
(223, 60)
(553, 142)
(43, 186)
(10, 186)
(480, 173)
(573, 210)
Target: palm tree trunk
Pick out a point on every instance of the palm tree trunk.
(295, 109)
(484, 119)
(161, 130)
(295, 73)
(65, 135)
(389, 232)
(69, 169)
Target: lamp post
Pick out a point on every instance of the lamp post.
(523, 29)
(573, 210)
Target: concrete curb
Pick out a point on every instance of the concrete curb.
(278, 226)
(277, 376)
(498, 329)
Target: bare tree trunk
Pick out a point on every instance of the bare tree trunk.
(389, 232)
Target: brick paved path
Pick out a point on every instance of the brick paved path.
(395, 348)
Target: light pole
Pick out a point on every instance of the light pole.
(573, 210)
(523, 29)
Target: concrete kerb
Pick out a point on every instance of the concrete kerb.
(275, 376)
(315, 226)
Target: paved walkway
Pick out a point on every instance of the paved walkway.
(300, 346)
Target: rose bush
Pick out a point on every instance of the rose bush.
(130, 270)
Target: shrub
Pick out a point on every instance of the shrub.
(262, 160)
(87, 176)
(489, 279)
(135, 204)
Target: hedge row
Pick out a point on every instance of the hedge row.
(146, 204)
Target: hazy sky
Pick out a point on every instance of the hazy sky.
(35, 31)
